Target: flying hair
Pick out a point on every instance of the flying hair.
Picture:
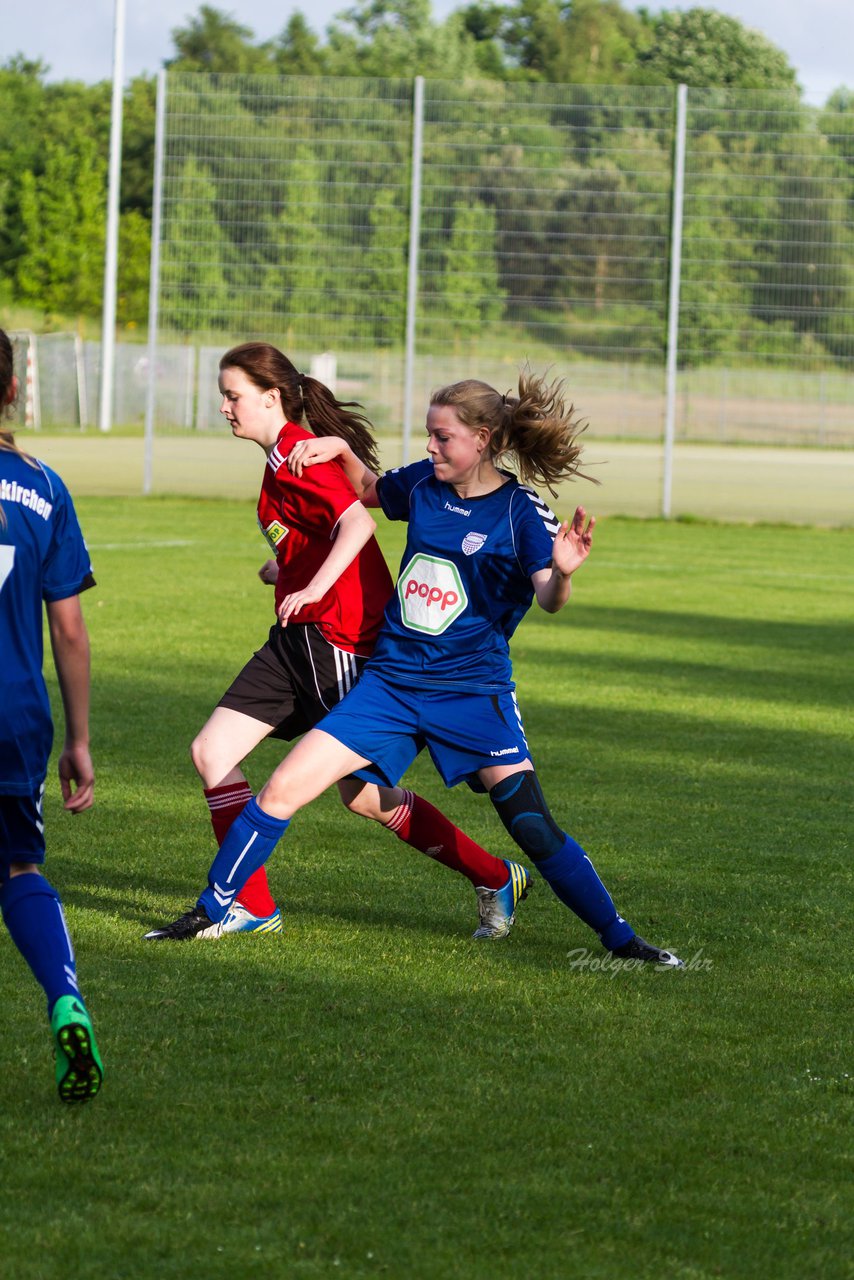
(303, 396)
(536, 431)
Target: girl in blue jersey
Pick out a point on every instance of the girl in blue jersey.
(42, 558)
(481, 546)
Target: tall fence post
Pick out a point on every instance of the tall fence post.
(108, 324)
(412, 274)
(673, 301)
(154, 284)
(82, 389)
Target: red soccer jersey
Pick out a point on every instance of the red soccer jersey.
(299, 518)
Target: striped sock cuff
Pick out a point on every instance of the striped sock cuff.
(401, 815)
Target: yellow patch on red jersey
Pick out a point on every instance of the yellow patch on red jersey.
(274, 532)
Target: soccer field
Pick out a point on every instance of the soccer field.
(371, 1092)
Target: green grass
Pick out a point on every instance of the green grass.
(372, 1093)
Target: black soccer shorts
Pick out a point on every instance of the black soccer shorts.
(293, 680)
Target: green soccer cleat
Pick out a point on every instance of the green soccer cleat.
(79, 1070)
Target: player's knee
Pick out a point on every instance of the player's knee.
(358, 801)
(200, 755)
(520, 804)
(363, 799)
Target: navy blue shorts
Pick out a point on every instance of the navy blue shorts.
(464, 732)
(21, 830)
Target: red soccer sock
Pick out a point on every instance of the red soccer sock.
(418, 823)
(225, 803)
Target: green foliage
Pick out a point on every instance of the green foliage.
(192, 255)
(583, 42)
(580, 164)
(302, 249)
(63, 219)
(298, 51)
(470, 294)
(133, 269)
(398, 38)
(384, 282)
(703, 48)
(214, 41)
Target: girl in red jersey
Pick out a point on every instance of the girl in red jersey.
(332, 585)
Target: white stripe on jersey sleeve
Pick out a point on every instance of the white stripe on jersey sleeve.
(274, 459)
(544, 511)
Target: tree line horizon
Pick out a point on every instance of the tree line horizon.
(53, 174)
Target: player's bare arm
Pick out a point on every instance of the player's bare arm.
(571, 548)
(307, 453)
(70, 644)
(354, 530)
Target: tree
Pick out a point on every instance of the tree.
(296, 273)
(383, 300)
(471, 296)
(387, 38)
(573, 41)
(193, 256)
(63, 218)
(138, 113)
(213, 41)
(297, 50)
(704, 48)
(133, 268)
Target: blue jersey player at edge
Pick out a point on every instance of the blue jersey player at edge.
(481, 547)
(43, 558)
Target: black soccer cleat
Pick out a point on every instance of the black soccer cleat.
(637, 948)
(195, 923)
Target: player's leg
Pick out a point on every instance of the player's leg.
(418, 823)
(518, 800)
(217, 751)
(262, 700)
(32, 912)
(313, 765)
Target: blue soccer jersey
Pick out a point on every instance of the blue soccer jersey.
(42, 558)
(465, 580)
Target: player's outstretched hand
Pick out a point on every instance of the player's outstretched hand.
(76, 778)
(573, 542)
(269, 572)
(306, 453)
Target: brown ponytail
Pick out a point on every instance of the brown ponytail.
(536, 429)
(301, 394)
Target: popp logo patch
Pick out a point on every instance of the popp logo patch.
(431, 594)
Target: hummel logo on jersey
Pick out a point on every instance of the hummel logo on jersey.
(458, 511)
(473, 542)
(431, 594)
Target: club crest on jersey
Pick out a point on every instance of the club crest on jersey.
(274, 532)
(473, 542)
(431, 594)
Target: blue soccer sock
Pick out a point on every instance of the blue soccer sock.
(32, 911)
(251, 839)
(572, 876)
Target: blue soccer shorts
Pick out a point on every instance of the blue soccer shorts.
(389, 724)
(21, 830)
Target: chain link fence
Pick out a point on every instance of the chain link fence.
(410, 234)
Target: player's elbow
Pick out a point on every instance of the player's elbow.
(67, 625)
